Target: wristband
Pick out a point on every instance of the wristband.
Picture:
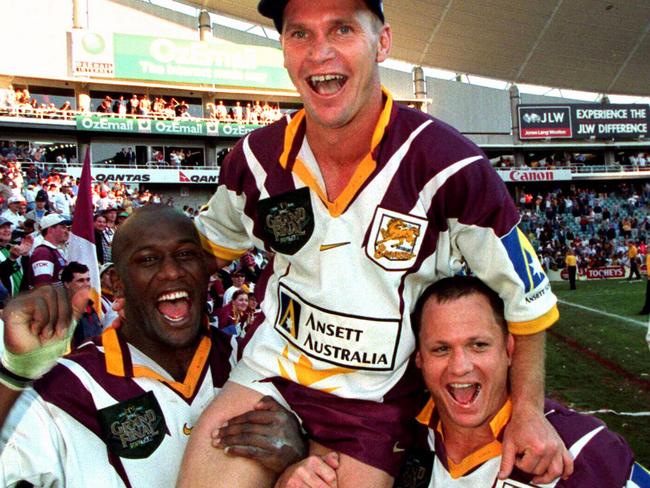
(12, 381)
(32, 365)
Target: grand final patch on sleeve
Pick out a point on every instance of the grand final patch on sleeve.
(287, 220)
(133, 428)
(524, 259)
(395, 239)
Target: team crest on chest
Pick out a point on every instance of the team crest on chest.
(133, 428)
(287, 220)
(395, 239)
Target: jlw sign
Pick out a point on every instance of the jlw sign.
(586, 121)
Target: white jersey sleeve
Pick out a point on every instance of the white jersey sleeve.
(22, 459)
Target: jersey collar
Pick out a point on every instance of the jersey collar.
(293, 138)
(429, 417)
(119, 363)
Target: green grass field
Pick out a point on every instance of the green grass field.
(595, 361)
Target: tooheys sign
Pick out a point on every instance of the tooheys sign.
(583, 121)
(602, 273)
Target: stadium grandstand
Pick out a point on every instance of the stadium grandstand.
(158, 92)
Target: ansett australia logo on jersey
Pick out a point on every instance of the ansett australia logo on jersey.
(289, 315)
(350, 341)
(395, 239)
(524, 259)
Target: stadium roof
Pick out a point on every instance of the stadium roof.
(599, 46)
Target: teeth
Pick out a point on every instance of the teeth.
(461, 385)
(174, 295)
(173, 320)
(321, 78)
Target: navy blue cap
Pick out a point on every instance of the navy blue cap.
(274, 9)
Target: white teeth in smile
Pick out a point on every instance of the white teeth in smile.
(321, 78)
(174, 295)
(173, 320)
(461, 385)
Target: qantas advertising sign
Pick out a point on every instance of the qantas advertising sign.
(135, 176)
(583, 121)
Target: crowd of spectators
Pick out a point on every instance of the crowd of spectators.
(143, 106)
(19, 102)
(597, 225)
(255, 113)
(560, 160)
(38, 206)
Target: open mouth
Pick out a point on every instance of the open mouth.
(464, 393)
(174, 306)
(327, 84)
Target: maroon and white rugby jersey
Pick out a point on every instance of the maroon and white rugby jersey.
(107, 415)
(602, 458)
(346, 273)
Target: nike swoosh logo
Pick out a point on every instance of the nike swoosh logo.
(397, 449)
(186, 429)
(327, 247)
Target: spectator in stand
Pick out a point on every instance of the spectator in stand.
(12, 258)
(111, 226)
(119, 106)
(105, 106)
(47, 260)
(106, 279)
(39, 210)
(211, 110)
(129, 157)
(253, 308)
(238, 113)
(75, 277)
(14, 213)
(238, 283)
(30, 196)
(102, 245)
(133, 105)
(222, 111)
(233, 317)
(145, 106)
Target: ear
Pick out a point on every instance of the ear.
(510, 347)
(418, 359)
(384, 43)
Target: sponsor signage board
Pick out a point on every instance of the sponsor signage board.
(214, 62)
(602, 273)
(92, 54)
(145, 175)
(185, 127)
(529, 174)
(583, 121)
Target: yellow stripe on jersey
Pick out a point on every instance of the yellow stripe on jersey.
(536, 325)
(220, 251)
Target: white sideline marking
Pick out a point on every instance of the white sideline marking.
(626, 414)
(638, 323)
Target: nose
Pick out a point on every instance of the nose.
(460, 363)
(321, 49)
(170, 269)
